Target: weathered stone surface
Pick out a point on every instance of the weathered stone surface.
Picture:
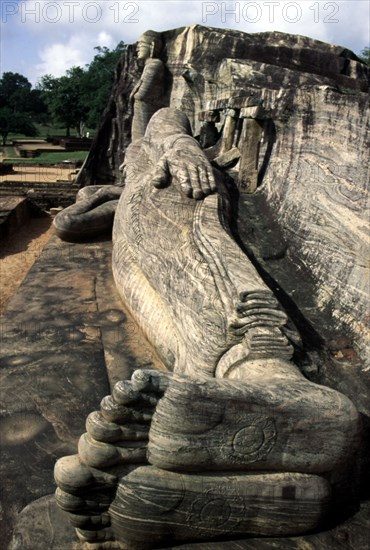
(194, 57)
(309, 210)
(92, 214)
(42, 525)
(250, 145)
(240, 404)
(149, 93)
(295, 89)
(311, 93)
(352, 534)
(156, 506)
(14, 212)
(259, 427)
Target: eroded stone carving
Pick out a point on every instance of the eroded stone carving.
(90, 216)
(95, 206)
(148, 94)
(234, 440)
(312, 100)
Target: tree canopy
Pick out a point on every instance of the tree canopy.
(365, 56)
(64, 97)
(78, 99)
(75, 100)
(99, 81)
(20, 106)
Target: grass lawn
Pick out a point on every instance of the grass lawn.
(53, 157)
(8, 151)
(45, 130)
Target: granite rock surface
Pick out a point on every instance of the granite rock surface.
(296, 110)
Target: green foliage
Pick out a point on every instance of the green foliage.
(365, 56)
(19, 106)
(99, 81)
(74, 101)
(13, 87)
(15, 122)
(64, 98)
(78, 99)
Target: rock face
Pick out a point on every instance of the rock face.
(296, 110)
(237, 425)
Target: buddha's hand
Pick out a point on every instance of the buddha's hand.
(185, 164)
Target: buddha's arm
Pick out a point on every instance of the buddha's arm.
(150, 85)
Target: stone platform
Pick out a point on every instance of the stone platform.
(65, 340)
(14, 212)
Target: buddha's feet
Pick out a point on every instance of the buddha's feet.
(283, 423)
(153, 507)
(115, 443)
(276, 425)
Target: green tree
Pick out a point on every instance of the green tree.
(78, 99)
(99, 80)
(15, 90)
(38, 108)
(18, 103)
(11, 122)
(365, 56)
(65, 97)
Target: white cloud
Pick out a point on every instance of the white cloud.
(57, 58)
(353, 29)
(63, 33)
(327, 21)
(106, 40)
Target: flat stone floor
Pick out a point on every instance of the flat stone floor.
(65, 340)
(19, 249)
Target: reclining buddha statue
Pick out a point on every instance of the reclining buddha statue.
(230, 439)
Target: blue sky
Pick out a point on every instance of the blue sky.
(50, 36)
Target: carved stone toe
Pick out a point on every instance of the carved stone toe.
(92, 502)
(99, 535)
(104, 431)
(91, 522)
(74, 477)
(103, 455)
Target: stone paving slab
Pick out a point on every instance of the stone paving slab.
(14, 212)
